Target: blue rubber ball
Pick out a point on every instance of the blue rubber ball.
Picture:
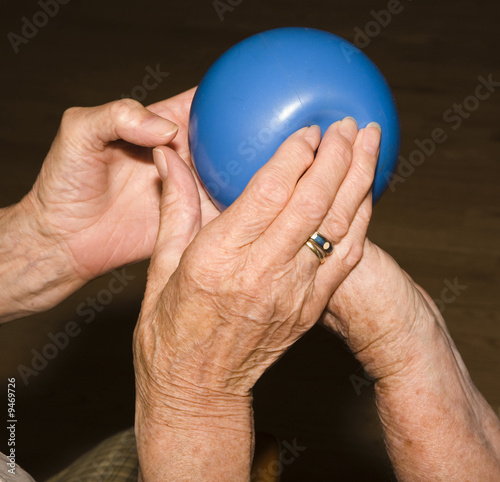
(272, 84)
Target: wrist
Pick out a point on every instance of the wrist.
(427, 364)
(193, 437)
(380, 313)
(183, 406)
(409, 337)
(34, 271)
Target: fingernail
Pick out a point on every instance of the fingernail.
(349, 128)
(313, 128)
(313, 136)
(160, 163)
(371, 138)
(350, 118)
(375, 124)
(159, 126)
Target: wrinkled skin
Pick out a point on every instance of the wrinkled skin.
(215, 317)
(98, 191)
(245, 288)
(225, 301)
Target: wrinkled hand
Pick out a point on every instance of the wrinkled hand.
(246, 288)
(437, 425)
(224, 302)
(98, 190)
(376, 309)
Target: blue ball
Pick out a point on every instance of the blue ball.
(270, 85)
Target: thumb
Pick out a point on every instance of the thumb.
(180, 213)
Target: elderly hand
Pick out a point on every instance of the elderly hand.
(437, 425)
(375, 310)
(98, 191)
(94, 206)
(244, 290)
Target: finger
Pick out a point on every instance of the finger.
(356, 185)
(176, 106)
(313, 195)
(209, 210)
(180, 213)
(348, 252)
(269, 191)
(124, 119)
(345, 256)
(177, 109)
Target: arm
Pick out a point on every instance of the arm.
(436, 423)
(223, 303)
(194, 435)
(94, 205)
(34, 272)
(437, 426)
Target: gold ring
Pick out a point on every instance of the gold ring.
(323, 243)
(320, 254)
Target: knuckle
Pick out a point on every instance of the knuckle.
(272, 189)
(340, 150)
(364, 173)
(339, 222)
(122, 111)
(365, 212)
(72, 124)
(351, 257)
(310, 204)
(300, 151)
(70, 115)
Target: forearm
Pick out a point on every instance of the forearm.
(189, 441)
(437, 425)
(34, 273)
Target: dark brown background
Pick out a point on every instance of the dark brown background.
(442, 223)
